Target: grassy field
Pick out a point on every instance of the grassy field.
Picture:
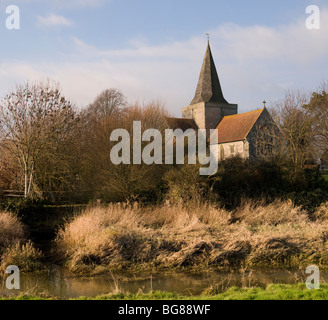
(272, 292)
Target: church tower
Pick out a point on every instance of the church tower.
(209, 105)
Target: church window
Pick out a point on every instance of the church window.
(222, 153)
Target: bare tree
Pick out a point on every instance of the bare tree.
(33, 119)
(121, 181)
(317, 110)
(107, 103)
(290, 137)
(296, 128)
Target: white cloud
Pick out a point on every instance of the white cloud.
(53, 20)
(254, 63)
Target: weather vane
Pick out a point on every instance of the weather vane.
(208, 36)
(264, 103)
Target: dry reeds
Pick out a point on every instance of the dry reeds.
(256, 234)
(14, 247)
(11, 230)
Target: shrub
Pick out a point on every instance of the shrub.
(238, 178)
(185, 185)
(25, 256)
(14, 248)
(11, 230)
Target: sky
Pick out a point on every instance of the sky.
(154, 49)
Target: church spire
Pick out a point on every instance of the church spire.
(208, 88)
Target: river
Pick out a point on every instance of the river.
(58, 283)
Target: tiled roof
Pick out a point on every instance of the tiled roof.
(184, 124)
(237, 127)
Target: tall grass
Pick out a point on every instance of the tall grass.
(15, 249)
(11, 230)
(125, 236)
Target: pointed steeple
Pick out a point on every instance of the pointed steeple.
(208, 88)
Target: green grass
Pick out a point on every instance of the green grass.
(275, 292)
(271, 292)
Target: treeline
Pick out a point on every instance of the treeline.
(49, 148)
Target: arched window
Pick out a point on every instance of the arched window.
(222, 153)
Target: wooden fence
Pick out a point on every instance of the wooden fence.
(58, 197)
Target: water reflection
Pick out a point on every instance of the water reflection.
(58, 283)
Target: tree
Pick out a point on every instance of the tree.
(107, 103)
(34, 121)
(118, 182)
(317, 110)
(295, 127)
(131, 181)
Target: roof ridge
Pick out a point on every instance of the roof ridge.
(240, 114)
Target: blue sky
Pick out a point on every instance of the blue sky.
(153, 50)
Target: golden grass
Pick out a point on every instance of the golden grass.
(25, 256)
(11, 230)
(321, 213)
(279, 212)
(14, 247)
(125, 236)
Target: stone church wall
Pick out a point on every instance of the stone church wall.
(232, 149)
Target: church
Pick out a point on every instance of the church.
(237, 133)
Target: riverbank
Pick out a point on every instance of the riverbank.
(279, 235)
(58, 283)
(271, 292)
(164, 239)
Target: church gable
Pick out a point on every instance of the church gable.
(237, 134)
(237, 127)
